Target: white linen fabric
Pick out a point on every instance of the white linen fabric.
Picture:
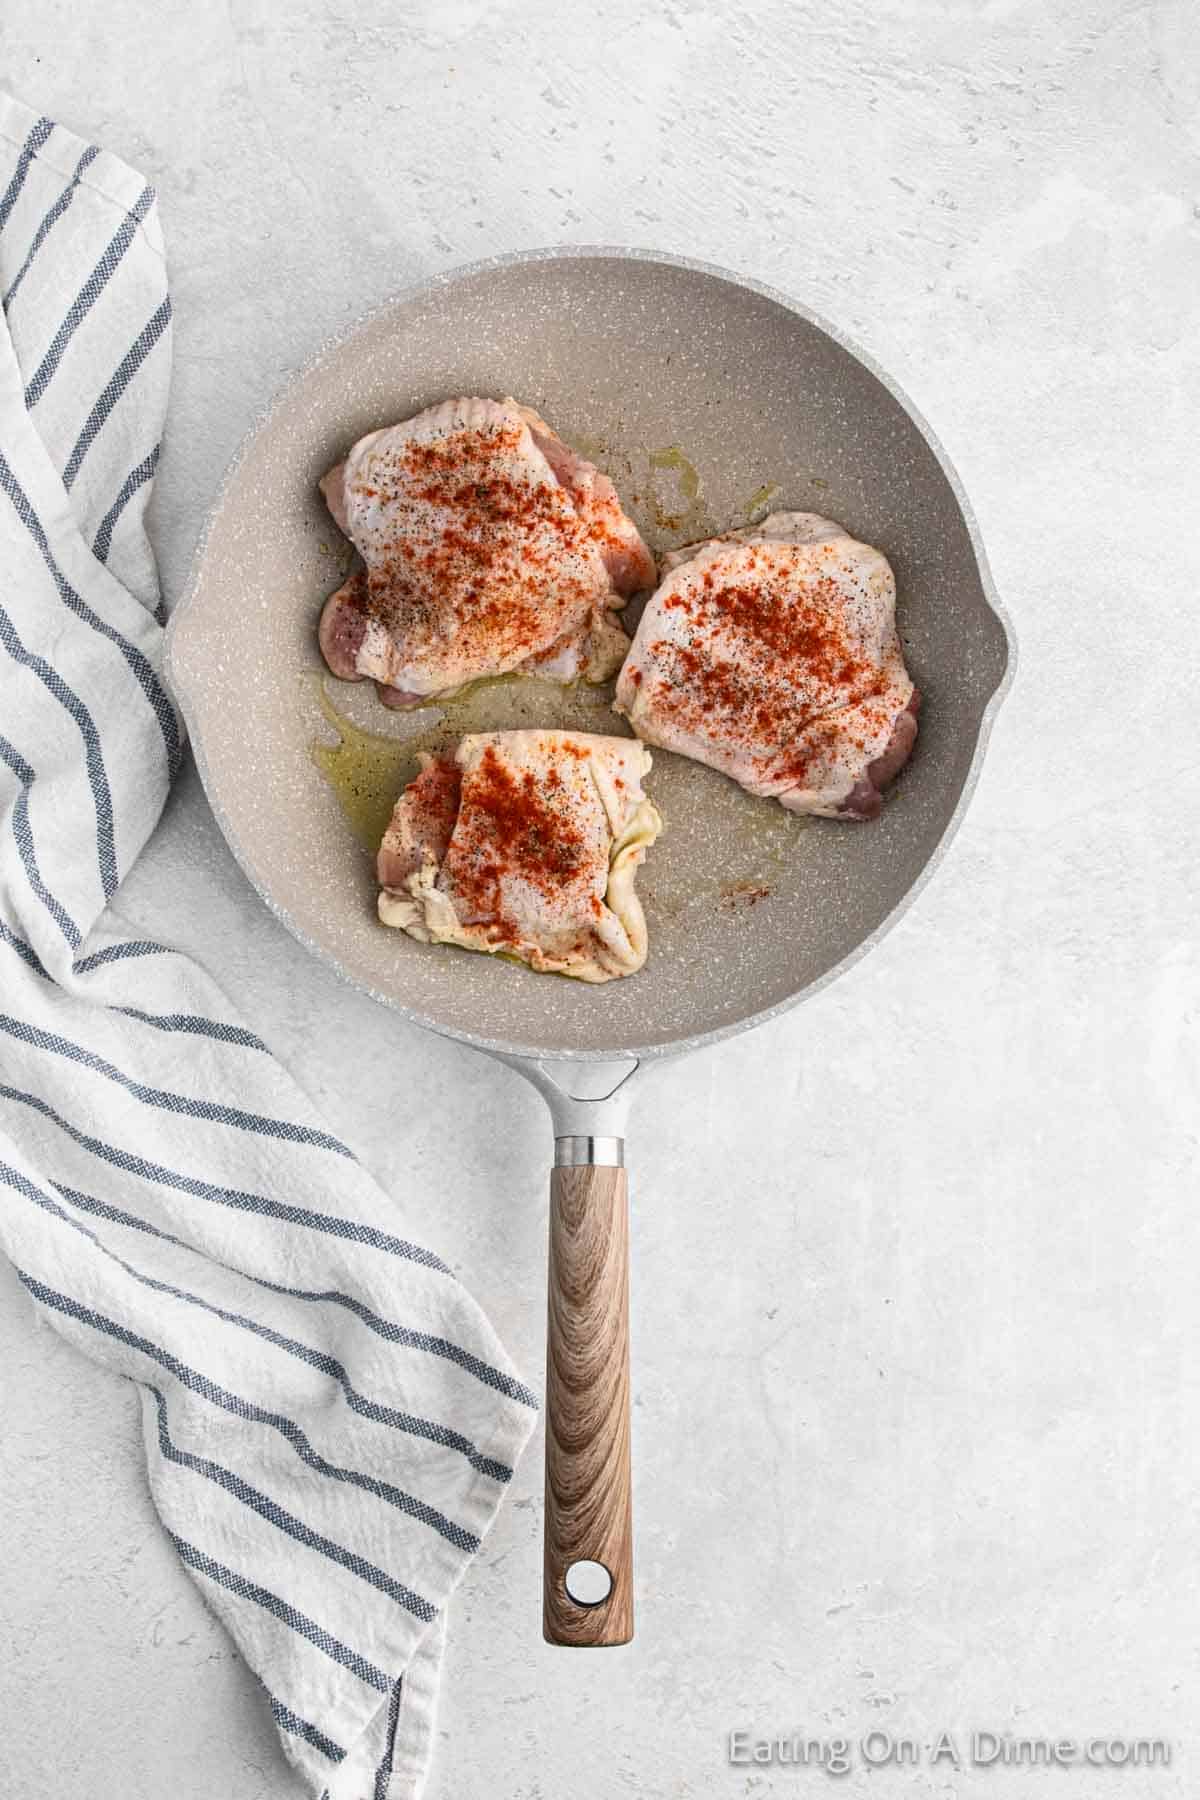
(329, 1420)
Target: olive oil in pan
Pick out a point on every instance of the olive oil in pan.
(759, 503)
(682, 511)
(673, 458)
(367, 769)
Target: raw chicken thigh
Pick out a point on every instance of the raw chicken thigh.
(526, 843)
(771, 654)
(488, 545)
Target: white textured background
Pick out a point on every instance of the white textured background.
(917, 1409)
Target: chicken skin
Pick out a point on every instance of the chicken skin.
(525, 843)
(771, 654)
(488, 546)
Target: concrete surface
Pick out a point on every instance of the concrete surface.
(917, 1417)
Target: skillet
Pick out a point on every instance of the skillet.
(710, 399)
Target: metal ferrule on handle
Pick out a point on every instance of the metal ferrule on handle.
(589, 1152)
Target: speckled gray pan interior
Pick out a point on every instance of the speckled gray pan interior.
(639, 360)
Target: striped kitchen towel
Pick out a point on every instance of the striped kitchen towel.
(329, 1420)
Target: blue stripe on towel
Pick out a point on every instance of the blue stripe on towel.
(308, 1628)
(23, 836)
(147, 679)
(33, 143)
(416, 1340)
(69, 700)
(287, 1720)
(137, 477)
(201, 1027)
(354, 1229)
(119, 953)
(87, 296)
(124, 373)
(215, 1112)
(47, 225)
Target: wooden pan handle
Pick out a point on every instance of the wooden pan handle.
(589, 1515)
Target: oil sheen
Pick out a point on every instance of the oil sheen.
(367, 768)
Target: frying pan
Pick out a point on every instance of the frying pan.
(708, 398)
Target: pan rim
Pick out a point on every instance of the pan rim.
(421, 289)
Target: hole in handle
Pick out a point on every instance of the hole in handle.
(588, 1583)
